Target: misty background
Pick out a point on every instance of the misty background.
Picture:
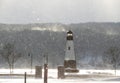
(91, 40)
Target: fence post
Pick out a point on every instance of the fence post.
(25, 77)
(45, 69)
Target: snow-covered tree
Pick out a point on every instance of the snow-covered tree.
(10, 55)
(112, 57)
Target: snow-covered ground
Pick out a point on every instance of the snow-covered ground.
(84, 76)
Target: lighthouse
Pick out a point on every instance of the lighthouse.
(70, 58)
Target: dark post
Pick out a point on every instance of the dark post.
(45, 69)
(31, 62)
(25, 76)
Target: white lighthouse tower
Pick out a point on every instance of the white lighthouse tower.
(70, 59)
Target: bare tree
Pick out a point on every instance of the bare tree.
(10, 55)
(112, 57)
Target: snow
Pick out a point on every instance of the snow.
(52, 81)
(84, 76)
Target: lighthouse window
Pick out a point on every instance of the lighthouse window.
(68, 48)
(69, 34)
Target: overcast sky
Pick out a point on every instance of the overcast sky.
(60, 11)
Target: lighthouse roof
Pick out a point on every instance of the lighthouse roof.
(69, 32)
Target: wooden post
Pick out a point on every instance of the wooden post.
(25, 77)
(31, 62)
(45, 73)
(45, 69)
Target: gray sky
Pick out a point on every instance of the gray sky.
(63, 11)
